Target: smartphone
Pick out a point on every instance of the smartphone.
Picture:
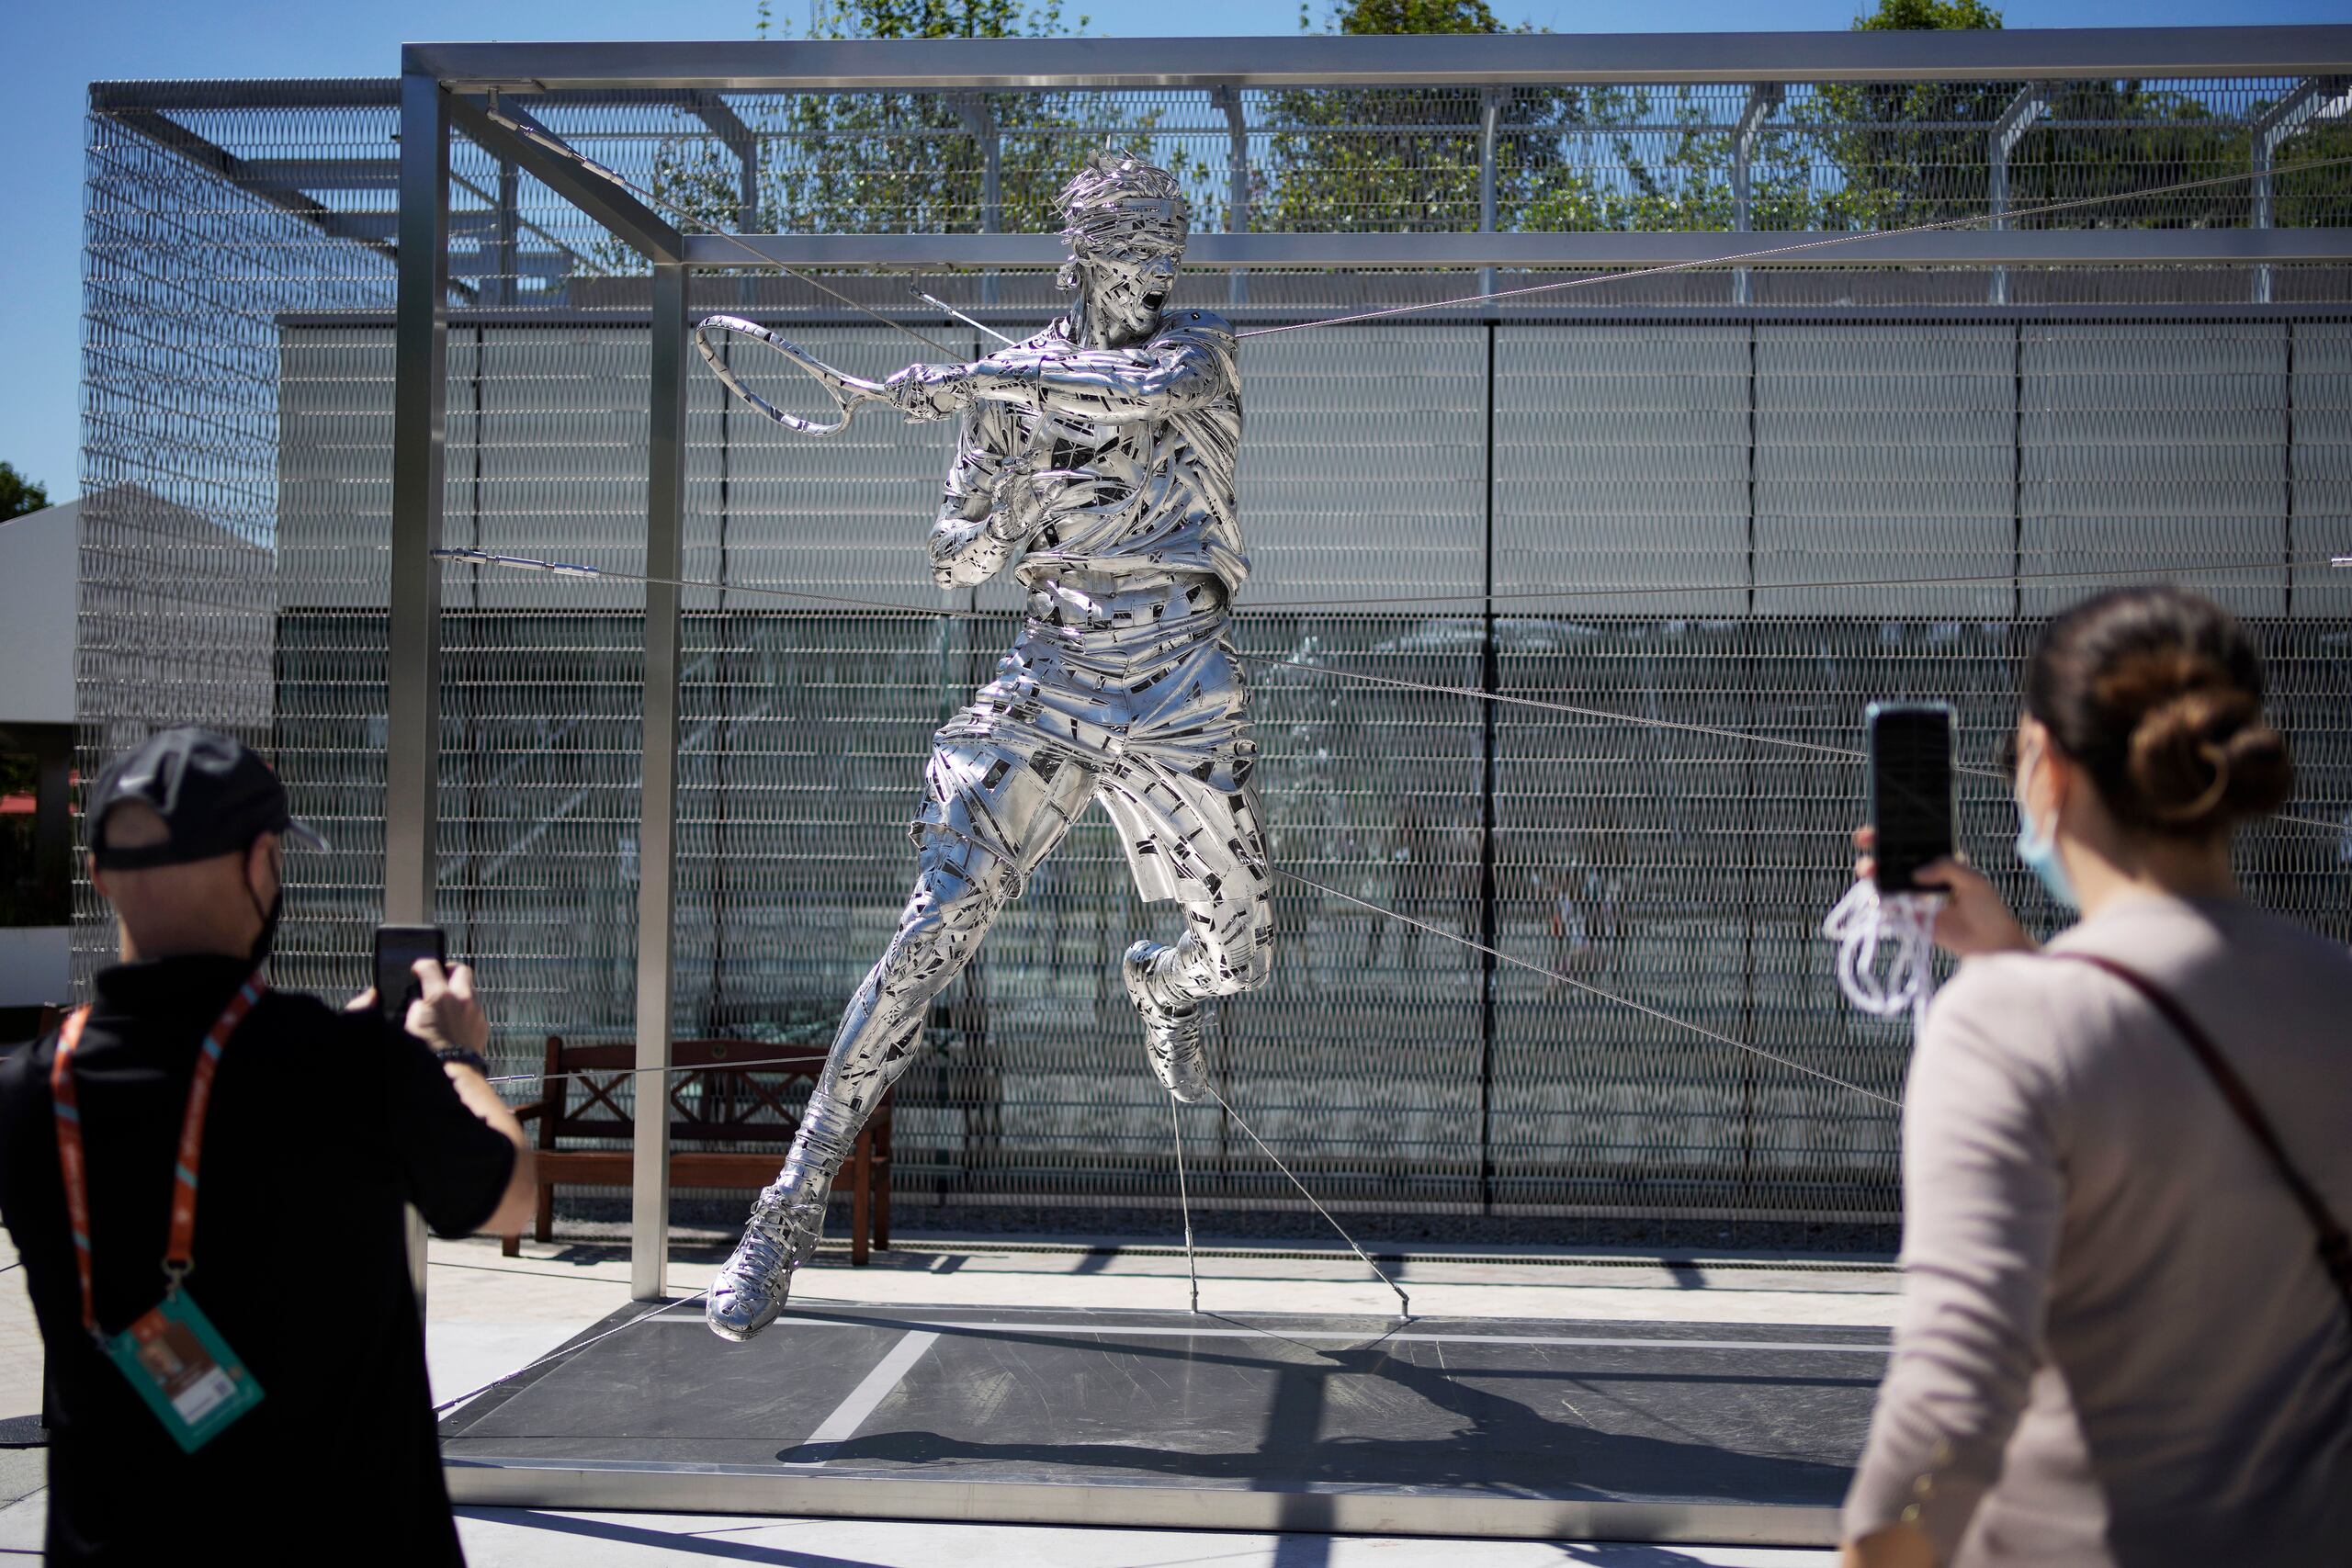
(397, 949)
(1910, 757)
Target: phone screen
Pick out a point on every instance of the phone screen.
(1910, 749)
(397, 949)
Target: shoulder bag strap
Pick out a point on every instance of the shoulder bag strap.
(2334, 1246)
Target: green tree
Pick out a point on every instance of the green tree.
(1930, 15)
(18, 494)
(2145, 138)
(898, 163)
(1565, 158)
(1389, 158)
(909, 161)
(1909, 152)
(1915, 153)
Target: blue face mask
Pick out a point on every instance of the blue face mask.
(2038, 850)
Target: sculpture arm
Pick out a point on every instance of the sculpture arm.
(1177, 370)
(980, 525)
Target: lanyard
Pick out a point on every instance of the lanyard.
(178, 1258)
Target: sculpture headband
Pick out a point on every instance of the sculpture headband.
(1127, 214)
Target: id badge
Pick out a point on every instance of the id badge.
(185, 1372)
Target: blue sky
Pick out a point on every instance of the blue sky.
(55, 50)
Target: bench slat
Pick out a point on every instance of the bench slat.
(716, 1075)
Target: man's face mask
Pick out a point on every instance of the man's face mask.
(266, 939)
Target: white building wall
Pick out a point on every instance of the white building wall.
(37, 569)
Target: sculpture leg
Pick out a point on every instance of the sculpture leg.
(1226, 947)
(981, 830)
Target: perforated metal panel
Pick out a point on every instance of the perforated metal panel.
(1885, 454)
(1381, 493)
(1621, 462)
(2155, 438)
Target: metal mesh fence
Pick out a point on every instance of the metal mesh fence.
(1563, 505)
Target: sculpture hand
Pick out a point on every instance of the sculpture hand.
(926, 393)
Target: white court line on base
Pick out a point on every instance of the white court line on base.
(1176, 1331)
(851, 1413)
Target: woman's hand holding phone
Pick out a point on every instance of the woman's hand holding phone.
(1972, 919)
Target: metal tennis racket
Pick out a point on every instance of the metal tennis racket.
(847, 391)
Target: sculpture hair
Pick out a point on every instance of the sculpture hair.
(1113, 201)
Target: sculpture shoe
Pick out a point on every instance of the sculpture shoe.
(1172, 1036)
(752, 1286)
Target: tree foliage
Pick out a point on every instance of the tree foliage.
(1389, 158)
(901, 163)
(1845, 155)
(1914, 152)
(19, 494)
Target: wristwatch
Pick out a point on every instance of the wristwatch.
(463, 1057)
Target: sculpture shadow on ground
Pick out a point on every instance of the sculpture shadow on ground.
(1493, 1442)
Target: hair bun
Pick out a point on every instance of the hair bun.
(2202, 757)
(2157, 691)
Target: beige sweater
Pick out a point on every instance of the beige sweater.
(2116, 1345)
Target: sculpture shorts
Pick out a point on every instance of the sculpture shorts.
(1157, 733)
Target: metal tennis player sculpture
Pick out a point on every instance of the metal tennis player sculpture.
(1096, 459)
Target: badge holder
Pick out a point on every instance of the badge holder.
(183, 1369)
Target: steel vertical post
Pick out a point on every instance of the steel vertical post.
(665, 507)
(1490, 114)
(1490, 780)
(1762, 99)
(420, 416)
(2008, 131)
(507, 247)
(982, 125)
(1237, 182)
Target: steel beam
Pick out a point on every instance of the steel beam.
(269, 92)
(974, 112)
(665, 532)
(1556, 251)
(328, 173)
(420, 377)
(566, 318)
(631, 221)
(717, 116)
(506, 245)
(252, 178)
(1458, 60)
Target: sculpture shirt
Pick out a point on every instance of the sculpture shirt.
(1133, 475)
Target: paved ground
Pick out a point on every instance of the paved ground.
(487, 1314)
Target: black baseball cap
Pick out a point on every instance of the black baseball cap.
(215, 794)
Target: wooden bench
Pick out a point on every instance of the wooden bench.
(727, 1092)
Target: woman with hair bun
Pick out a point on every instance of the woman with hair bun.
(2124, 1340)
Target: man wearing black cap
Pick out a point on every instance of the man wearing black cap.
(162, 1159)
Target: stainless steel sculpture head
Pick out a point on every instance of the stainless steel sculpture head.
(1125, 222)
